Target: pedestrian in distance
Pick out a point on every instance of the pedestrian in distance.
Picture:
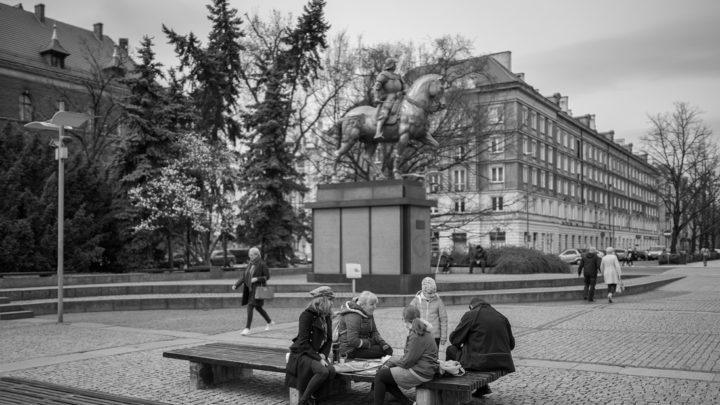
(705, 252)
(479, 258)
(358, 336)
(589, 267)
(482, 341)
(432, 309)
(630, 259)
(417, 365)
(256, 274)
(309, 364)
(445, 261)
(612, 273)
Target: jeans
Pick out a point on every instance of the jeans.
(589, 291)
(250, 307)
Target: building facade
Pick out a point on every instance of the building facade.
(542, 178)
(46, 65)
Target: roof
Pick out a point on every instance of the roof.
(25, 37)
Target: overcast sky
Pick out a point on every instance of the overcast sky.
(618, 59)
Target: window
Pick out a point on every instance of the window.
(525, 174)
(533, 119)
(496, 174)
(551, 152)
(495, 114)
(542, 179)
(551, 181)
(496, 144)
(497, 238)
(542, 152)
(25, 107)
(525, 116)
(497, 203)
(533, 176)
(541, 124)
(459, 179)
(459, 153)
(433, 182)
(459, 205)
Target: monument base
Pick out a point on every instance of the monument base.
(377, 283)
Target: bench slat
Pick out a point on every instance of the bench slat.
(44, 393)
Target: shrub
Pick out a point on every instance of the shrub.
(519, 260)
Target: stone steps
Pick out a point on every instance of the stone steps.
(296, 295)
(8, 310)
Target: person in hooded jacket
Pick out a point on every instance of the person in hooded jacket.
(590, 267)
(308, 366)
(432, 309)
(482, 341)
(358, 336)
(417, 365)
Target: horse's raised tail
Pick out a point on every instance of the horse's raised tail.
(336, 130)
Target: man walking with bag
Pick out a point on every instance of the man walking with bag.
(590, 266)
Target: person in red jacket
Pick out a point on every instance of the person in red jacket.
(482, 341)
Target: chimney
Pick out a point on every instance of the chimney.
(591, 121)
(520, 76)
(504, 58)
(97, 29)
(123, 44)
(40, 12)
(564, 104)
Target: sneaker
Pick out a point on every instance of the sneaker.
(245, 332)
(272, 323)
(609, 300)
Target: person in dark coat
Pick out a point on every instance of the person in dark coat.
(256, 274)
(358, 336)
(590, 267)
(482, 341)
(309, 366)
(479, 259)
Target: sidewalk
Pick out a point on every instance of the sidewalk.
(660, 347)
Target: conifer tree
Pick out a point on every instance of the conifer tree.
(269, 174)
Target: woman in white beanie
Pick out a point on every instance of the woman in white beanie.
(432, 309)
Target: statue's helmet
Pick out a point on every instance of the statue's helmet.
(390, 64)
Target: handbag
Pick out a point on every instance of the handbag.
(264, 293)
(619, 287)
(452, 367)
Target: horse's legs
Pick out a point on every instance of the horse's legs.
(352, 134)
(369, 156)
(402, 143)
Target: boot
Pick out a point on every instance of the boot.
(379, 130)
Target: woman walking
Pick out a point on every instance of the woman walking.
(256, 274)
(612, 273)
(308, 366)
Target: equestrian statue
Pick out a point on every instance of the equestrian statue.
(400, 116)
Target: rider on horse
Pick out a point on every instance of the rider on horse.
(388, 91)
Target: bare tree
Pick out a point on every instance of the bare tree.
(681, 147)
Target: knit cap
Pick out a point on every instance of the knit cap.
(429, 288)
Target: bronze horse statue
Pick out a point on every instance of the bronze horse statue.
(425, 96)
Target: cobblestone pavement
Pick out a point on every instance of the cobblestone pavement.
(661, 347)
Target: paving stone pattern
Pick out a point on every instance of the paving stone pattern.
(661, 347)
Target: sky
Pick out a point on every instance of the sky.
(620, 60)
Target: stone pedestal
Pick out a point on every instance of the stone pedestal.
(382, 225)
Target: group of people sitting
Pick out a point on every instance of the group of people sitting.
(481, 341)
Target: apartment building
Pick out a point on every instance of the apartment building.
(542, 178)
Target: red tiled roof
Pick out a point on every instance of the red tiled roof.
(23, 37)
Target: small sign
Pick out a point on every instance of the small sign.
(353, 270)
(667, 234)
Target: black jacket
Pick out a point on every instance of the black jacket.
(590, 263)
(256, 268)
(314, 337)
(485, 338)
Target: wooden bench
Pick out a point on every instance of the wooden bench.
(23, 391)
(215, 363)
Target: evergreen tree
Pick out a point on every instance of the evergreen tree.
(269, 175)
(213, 71)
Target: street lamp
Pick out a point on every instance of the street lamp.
(61, 121)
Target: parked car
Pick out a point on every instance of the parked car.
(572, 256)
(241, 255)
(621, 254)
(641, 254)
(217, 258)
(654, 252)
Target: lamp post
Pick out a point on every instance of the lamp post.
(612, 219)
(61, 121)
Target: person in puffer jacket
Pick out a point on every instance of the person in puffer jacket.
(432, 309)
(358, 336)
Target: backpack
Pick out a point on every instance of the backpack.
(452, 367)
(336, 318)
